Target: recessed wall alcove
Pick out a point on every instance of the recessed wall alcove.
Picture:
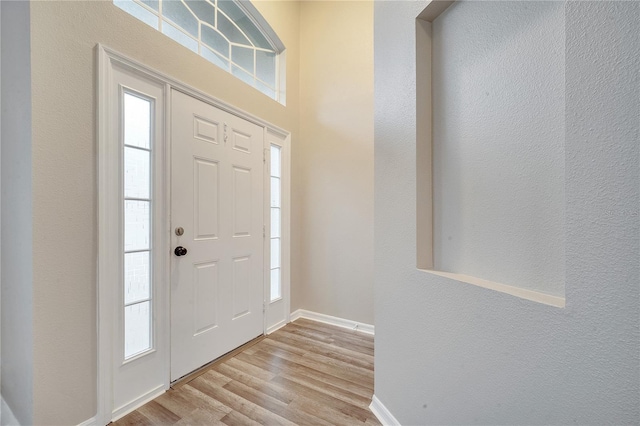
(490, 146)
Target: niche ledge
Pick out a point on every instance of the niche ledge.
(522, 293)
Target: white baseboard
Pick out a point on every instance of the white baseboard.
(276, 326)
(137, 403)
(380, 411)
(328, 319)
(91, 422)
(7, 418)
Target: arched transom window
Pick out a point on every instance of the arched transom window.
(229, 33)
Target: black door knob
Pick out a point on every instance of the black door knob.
(180, 251)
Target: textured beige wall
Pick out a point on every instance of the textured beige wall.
(332, 169)
(64, 35)
(333, 162)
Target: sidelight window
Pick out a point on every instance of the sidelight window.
(276, 223)
(137, 138)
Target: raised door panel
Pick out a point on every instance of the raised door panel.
(242, 201)
(206, 198)
(205, 296)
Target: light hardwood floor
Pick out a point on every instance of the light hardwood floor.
(306, 373)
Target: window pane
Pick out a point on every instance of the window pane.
(136, 173)
(137, 329)
(203, 10)
(231, 9)
(180, 15)
(215, 40)
(275, 192)
(137, 224)
(136, 277)
(177, 35)
(275, 160)
(138, 11)
(243, 57)
(266, 67)
(153, 4)
(275, 222)
(276, 285)
(230, 31)
(254, 34)
(275, 252)
(269, 91)
(214, 58)
(137, 121)
(243, 75)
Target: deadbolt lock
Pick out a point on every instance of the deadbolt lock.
(179, 230)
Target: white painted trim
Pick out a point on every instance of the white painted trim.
(137, 403)
(266, 231)
(105, 261)
(382, 413)
(138, 67)
(89, 422)
(522, 293)
(167, 224)
(328, 319)
(259, 21)
(7, 418)
(277, 326)
(285, 223)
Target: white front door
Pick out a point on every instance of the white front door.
(217, 207)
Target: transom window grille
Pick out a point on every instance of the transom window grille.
(221, 31)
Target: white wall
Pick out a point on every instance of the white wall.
(498, 143)
(16, 226)
(332, 255)
(452, 353)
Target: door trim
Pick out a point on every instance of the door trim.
(108, 178)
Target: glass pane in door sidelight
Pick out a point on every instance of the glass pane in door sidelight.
(136, 286)
(137, 328)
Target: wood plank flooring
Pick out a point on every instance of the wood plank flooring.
(306, 373)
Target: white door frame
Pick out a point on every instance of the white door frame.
(108, 181)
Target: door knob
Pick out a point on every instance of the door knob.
(180, 251)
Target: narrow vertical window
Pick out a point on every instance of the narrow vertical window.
(137, 112)
(276, 223)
